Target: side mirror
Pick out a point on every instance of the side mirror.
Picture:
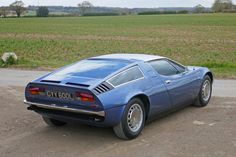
(185, 71)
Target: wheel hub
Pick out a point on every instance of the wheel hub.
(135, 117)
(206, 90)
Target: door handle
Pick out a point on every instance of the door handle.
(168, 81)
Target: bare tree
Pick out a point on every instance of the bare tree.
(221, 5)
(18, 7)
(84, 7)
(4, 11)
(199, 9)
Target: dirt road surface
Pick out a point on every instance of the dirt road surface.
(195, 132)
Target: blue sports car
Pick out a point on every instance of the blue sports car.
(123, 91)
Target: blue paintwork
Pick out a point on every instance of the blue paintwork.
(162, 97)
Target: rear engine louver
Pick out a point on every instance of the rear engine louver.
(50, 81)
(77, 84)
(103, 87)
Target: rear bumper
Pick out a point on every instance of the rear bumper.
(107, 118)
(53, 107)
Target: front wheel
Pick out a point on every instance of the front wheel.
(204, 95)
(133, 120)
(53, 122)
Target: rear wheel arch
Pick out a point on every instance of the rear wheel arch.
(144, 98)
(124, 129)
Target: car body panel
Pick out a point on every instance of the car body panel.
(182, 89)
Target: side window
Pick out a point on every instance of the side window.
(163, 67)
(179, 67)
(131, 74)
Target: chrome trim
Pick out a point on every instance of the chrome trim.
(136, 66)
(109, 83)
(98, 113)
(129, 82)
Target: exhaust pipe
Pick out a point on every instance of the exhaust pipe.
(30, 108)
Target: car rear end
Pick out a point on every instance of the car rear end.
(64, 102)
(69, 95)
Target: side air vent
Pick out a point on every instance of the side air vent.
(50, 81)
(103, 87)
(77, 84)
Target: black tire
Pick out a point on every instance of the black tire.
(200, 101)
(122, 130)
(53, 122)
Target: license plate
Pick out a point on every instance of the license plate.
(59, 95)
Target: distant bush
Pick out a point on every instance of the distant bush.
(101, 14)
(1, 63)
(164, 12)
(158, 12)
(183, 12)
(10, 61)
(229, 11)
(42, 12)
(62, 15)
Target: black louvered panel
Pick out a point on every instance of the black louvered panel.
(100, 89)
(97, 91)
(103, 87)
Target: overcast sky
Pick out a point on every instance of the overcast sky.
(119, 3)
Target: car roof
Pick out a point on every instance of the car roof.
(129, 57)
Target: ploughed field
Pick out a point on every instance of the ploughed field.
(198, 39)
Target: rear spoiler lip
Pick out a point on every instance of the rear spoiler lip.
(59, 84)
(53, 107)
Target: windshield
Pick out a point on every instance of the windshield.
(92, 68)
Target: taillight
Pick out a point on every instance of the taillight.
(36, 90)
(85, 97)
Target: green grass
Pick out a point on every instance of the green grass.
(198, 39)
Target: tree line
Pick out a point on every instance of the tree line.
(86, 8)
(18, 7)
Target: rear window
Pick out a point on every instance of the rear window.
(92, 68)
(126, 76)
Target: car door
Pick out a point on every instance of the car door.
(155, 89)
(177, 80)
